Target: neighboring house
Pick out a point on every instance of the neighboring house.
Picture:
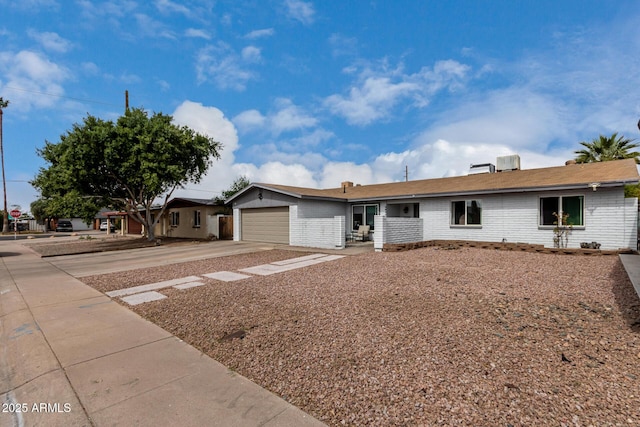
(504, 204)
(78, 224)
(124, 221)
(195, 219)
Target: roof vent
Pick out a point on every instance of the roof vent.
(346, 184)
(482, 168)
(508, 163)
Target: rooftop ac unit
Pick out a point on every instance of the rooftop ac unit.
(508, 163)
(482, 168)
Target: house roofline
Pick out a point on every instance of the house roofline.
(262, 186)
(583, 186)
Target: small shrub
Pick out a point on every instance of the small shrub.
(562, 230)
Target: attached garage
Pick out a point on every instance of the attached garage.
(270, 225)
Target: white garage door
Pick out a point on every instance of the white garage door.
(266, 225)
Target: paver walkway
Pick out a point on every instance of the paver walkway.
(70, 356)
(146, 293)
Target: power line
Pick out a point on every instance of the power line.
(203, 191)
(63, 96)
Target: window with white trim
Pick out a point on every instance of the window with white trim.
(573, 206)
(466, 212)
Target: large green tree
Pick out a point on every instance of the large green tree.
(129, 165)
(605, 148)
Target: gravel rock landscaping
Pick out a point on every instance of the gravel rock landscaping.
(424, 337)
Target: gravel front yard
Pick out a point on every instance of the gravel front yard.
(425, 337)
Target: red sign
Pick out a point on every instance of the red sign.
(15, 213)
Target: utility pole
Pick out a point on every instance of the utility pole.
(126, 101)
(406, 173)
(5, 216)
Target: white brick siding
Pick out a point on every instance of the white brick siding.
(397, 230)
(326, 233)
(237, 233)
(609, 218)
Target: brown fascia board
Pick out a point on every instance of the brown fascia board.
(585, 186)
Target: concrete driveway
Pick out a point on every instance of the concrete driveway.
(109, 262)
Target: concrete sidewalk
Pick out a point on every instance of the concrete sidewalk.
(70, 356)
(631, 263)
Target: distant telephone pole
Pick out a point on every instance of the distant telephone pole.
(126, 101)
(406, 173)
(5, 216)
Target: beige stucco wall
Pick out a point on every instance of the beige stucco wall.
(186, 227)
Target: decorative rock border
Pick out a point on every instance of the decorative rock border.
(507, 246)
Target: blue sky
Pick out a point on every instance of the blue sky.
(313, 93)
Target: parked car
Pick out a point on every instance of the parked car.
(22, 226)
(103, 226)
(64, 225)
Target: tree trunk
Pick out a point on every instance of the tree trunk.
(150, 233)
(148, 224)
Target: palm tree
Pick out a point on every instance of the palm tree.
(606, 148)
(5, 216)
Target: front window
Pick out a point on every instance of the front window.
(196, 218)
(553, 209)
(363, 215)
(466, 212)
(175, 219)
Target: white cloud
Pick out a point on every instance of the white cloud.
(212, 122)
(220, 64)
(208, 121)
(249, 120)
(313, 139)
(517, 117)
(286, 117)
(342, 45)
(378, 92)
(31, 4)
(195, 33)
(334, 173)
(167, 7)
(256, 34)
(277, 173)
(114, 8)
(164, 85)
(150, 27)
(50, 41)
(300, 11)
(251, 54)
(29, 74)
(289, 117)
(130, 78)
(373, 100)
(90, 68)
